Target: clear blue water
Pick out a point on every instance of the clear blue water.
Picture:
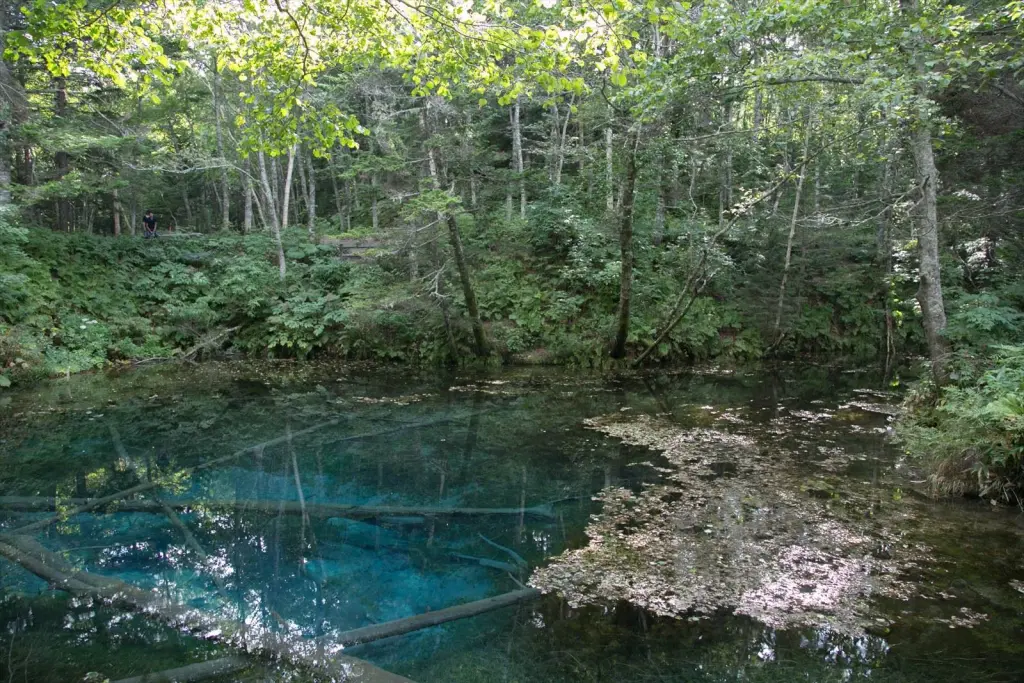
(509, 440)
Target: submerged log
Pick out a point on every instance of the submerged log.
(398, 627)
(485, 562)
(192, 673)
(290, 507)
(192, 542)
(319, 656)
(508, 551)
(150, 485)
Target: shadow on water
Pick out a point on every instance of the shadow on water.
(692, 527)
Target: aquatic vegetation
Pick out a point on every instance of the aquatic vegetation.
(731, 528)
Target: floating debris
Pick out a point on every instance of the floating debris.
(394, 400)
(967, 618)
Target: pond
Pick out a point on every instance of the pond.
(682, 527)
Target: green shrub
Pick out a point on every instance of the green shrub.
(972, 438)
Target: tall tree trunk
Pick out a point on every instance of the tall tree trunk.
(561, 139)
(480, 346)
(61, 159)
(14, 112)
(553, 141)
(582, 167)
(275, 225)
(225, 183)
(117, 213)
(311, 198)
(247, 202)
(517, 157)
(133, 215)
(664, 189)
(287, 193)
(338, 203)
(929, 292)
(188, 205)
(5, 165)
(374, 201)
(626, 254)
(300, 167)
(609, 171)
(352, 198)
(792, 230)
(467, 153)
(884, 244)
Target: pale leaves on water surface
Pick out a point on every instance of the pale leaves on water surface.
(736, 526)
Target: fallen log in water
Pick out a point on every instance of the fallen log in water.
(192, 542)
(485, 562)
(319, 656)
(289, 507)
(193, 672)
(398, 627)
(149, 485)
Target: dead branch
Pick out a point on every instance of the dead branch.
(205, 343)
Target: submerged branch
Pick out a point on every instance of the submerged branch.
(192, 673)
(508, 551)
(398, 627)
(320, 657)
(290, 507)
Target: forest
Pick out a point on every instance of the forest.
(616, 185)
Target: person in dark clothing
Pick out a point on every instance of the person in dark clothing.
(149, 225)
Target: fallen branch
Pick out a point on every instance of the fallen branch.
(290, 507)
(399, 627)
(319, 656)
(209, 341)
(484, 562)
(193, 672)
(511, 553)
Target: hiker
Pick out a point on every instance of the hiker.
(149, 225)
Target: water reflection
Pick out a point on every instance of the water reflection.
(284, 512)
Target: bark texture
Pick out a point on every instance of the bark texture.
(626, 255)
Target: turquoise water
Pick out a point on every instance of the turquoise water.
(660, 507)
